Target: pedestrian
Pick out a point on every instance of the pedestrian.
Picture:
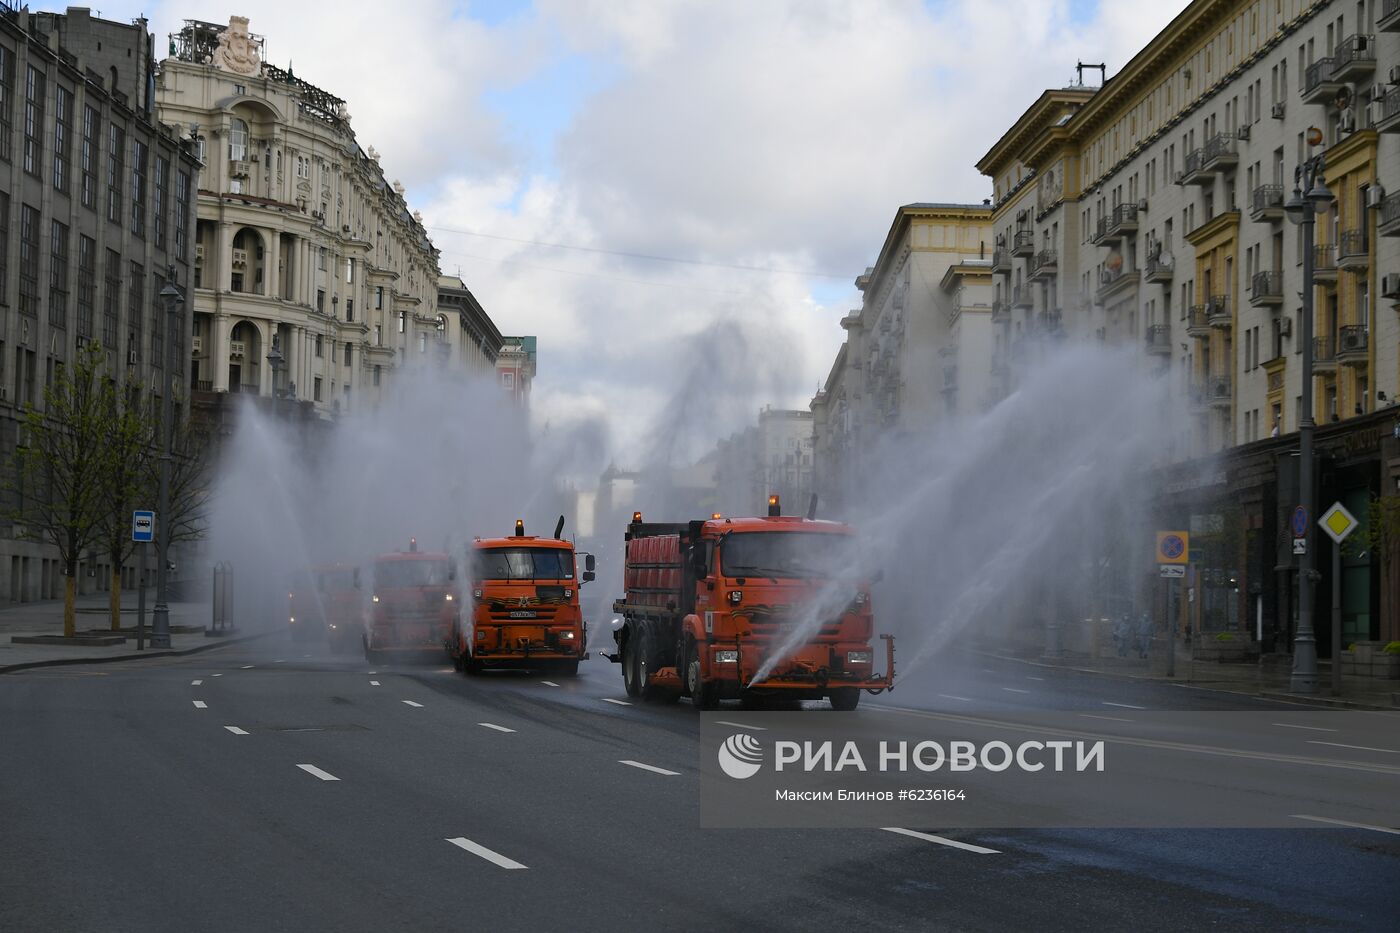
(1122, 635)
(1144, 634)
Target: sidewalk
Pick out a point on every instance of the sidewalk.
(1267, 677)
(188, 621)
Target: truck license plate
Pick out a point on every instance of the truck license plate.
(522, 614)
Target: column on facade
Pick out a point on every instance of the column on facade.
(221, 278)
(296, 359)
(268, 236)
(267, 329)
(219, 333)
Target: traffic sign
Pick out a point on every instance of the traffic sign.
(1300, 545)
(1173, 571)
(1299, 522)
(1338, 522)
(1173, 547)
(143, 526)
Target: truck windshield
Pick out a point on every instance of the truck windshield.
(393, 573)
(522, 563)
(784, 554)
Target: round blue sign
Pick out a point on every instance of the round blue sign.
(1300, 522)
(1173, 546)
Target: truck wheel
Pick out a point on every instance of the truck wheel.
(702, 695)
(845, 699)
(631, 676)
(646, 663)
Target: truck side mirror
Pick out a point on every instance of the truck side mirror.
(589, 562)
(589, 576)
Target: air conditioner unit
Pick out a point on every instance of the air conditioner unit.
(345, 228)
(198, 252)
(238, 168)
(1242, 132)
(1390, 285)
(1346, 121)
(82, 341)
(1394, 76)
(1354, 340)
(1276, 111)
(1375, 112)
(1378, 92)
(131, 357)
(197, 343)
(1142, 204)
(1374, 196)
(236, 348)
(1285, 327)
(1178, 178)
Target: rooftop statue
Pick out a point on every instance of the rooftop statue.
(238, 51)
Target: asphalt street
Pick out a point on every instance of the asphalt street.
(275, 786)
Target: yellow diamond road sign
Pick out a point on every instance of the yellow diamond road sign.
(1338, 522)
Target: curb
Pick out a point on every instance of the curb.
(58, 662)
(1300, 699)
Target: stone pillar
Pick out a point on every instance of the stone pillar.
(218, 268)
(264, 370)
(218, 354)
(296, 359)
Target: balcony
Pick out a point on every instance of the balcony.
(240, 259)
(1049, 321)
(1354, 59)
(1352, 345)
(1001, 311)
(1158, 269)
(1203, 164)
(1114, 281)
(1001, 260)
(236, 349)
(1266, 290)
(1023, 244)
(1218, 311)
(1121, 222)
(1385, 113)
(1045, 265)
(1319, 86)
(1196, 323)
(1353, 250)
(1388, 20)
(1266, 203)
(1325, 262)
(1159, 339)
(1388, 223)
(1021, 297)
(1324, 355)
(1219, 392)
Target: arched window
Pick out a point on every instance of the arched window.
(238, 141)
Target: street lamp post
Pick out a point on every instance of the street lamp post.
(1310, 198)
(278, 363)
(174, 299)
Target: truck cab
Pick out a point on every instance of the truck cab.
(323, 603)
(413, 602)
(524, 607)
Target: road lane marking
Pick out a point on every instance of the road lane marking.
(549, 683)
(196, 683)
(411, 703)
(218, 675)
(617, 702)
(492, 725)
(1015, 690)
(1029, 677)
(1363, 748)
(246, 667)
(200, 704)
(373, 672)
(988, 670)
(740, 725)
(1284, 725)
(942, 840)
(1323, 819)
(949, 696)
(279, 661)
(638, 764)
(495, 858)
(317, 772)
(374, 683)
(1122, 705)
(1109, 718)
(235, 730)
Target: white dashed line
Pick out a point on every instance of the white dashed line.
(411, 703)
(495, 858)
(246, 667)
(196, 683)
(739, 725)
(1015, 690)
(317, 772)
(1360, 748)
(616, 702)
(374, 683)
(492, 725)
(372, 672)
(549, 683)
(941, 840)
(200, 704)
(1284, 725)
(1029, 677)
(218, 675)
(949, 696)
(1323, 819)
(638, 764)
(235, 730)
(1109, 718)
(1123, 705)
(279, 661)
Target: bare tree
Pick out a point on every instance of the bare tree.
(61, 465)
(131, 448)
(190, 478)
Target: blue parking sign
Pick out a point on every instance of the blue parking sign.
(143, 526)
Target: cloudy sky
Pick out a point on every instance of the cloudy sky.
(617, 176)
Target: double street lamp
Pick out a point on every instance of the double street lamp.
(174, 298)
(1310, 198)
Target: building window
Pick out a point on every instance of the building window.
(28, 261)
(157, 321)
(320, 351)
(34, 122)
(376, 374)
(379, 298)
(58, 275)
(135, 311)
(379, 335)
(423, 343)
(182, 213)
(87, 284)
(321, 300)
(92, 128)
(402, 321)
(7, 101)
(349, 271)
(139, 153)
(62, 138)
(116, 149)
(348, 354)
(350, 310)
(321, 259)
(4, 248)
(508, 380)
(238, 141)
(111, 299)
(200, 148)
(161, 196)
(316, 389)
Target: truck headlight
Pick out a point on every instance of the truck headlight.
(291, 618)
(568, 594)
(862, 598)
(566, 634)
(476, 594)
(375, 598)
(449, 597)
(727, 656)
(333, 625)
(857, 657)
(735, 596)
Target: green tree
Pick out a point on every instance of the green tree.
(61, 465)
(131, 449)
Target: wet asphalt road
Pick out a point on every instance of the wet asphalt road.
(275, 786)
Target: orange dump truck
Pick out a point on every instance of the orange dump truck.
(712, 605)
(524, 605)
(325, 604)
(413, 603)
